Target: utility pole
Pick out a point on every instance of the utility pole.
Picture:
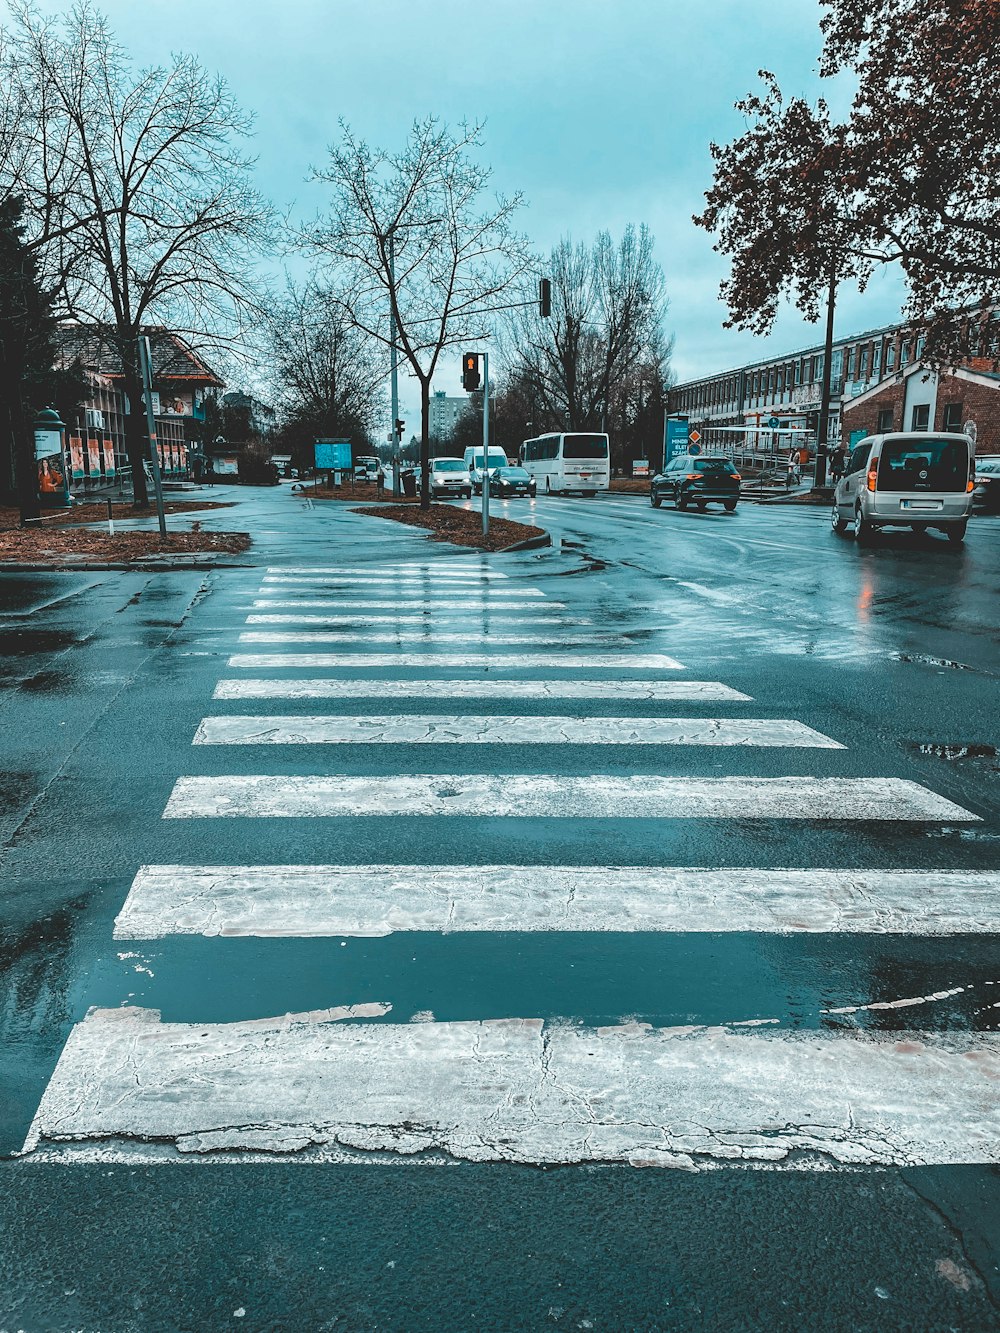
(154, 449)
(486, 443)
(822, 434)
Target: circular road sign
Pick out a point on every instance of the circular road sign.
(773, 423)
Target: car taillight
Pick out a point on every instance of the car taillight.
(970, 485)
(735, 476)
(872, 476)
(692, 476)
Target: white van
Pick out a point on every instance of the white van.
(912, 480)
(448, 476)
(474, 463)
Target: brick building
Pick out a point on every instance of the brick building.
(918, 399)
(870, 372)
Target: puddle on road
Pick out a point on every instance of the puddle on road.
(957, 750)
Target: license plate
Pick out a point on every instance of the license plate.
(920, 504)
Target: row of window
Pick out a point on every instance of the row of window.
(951, 419)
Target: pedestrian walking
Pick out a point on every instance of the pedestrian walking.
(210, 473)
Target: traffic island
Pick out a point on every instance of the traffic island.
(82, 547)
(462, 527)
(96, 511)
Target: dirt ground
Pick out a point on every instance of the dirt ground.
(97, 512)
(93, 545)
(461, 526)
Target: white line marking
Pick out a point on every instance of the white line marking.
(472, 582)
(595, 796)
(444, 729)
(439, 661)
(410, 589)
(513, 1090)
(474, 605)
(636, 691)
(429, 635)
(377, 900)
(409, 571)
(429, 619)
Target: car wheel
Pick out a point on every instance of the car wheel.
(680, 501)
(863, 530)
(548, 486)
(956, 533)
(730, 506)
(655, 500)
(837, 520)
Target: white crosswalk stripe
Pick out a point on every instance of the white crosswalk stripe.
(405, 619)
(435, 660)
(636, 691)
(376, 900)
(517, 1090)
(444, 729)
(596, 796)
(471, 605)
(359, 1082)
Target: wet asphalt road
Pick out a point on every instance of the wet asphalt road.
(104, 677)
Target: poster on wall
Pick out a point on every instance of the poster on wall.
(76, 457)
(94, 457)
(109, 459)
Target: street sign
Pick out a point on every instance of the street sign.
(695, 436)
(773, 423)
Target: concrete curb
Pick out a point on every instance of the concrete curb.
(529, 544)
(133, 566)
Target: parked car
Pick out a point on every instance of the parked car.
(696, 479)
(986, 494)
(511, 481)
(907, 479)
(449, 477)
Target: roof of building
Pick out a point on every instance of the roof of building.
(96, 347)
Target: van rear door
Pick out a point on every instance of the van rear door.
(923, 474)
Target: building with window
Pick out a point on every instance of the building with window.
(96, 432)
(444, 413)
(876, 376)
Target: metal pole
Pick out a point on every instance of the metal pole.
(486, 443)
(822, 434)
(145, 361)
(394, 375)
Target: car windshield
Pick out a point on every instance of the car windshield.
(991, 469)
(712, 465)
(448, 465)
(923, 465)
(585, 446)
(495, 460)
(512, 473)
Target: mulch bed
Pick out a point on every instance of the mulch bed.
(91, 546)
(464, 527)
(97, 512)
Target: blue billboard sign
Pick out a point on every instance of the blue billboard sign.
(333, 455)
(675, 437)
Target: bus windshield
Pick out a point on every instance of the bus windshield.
(585, 446)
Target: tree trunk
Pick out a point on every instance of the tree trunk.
(21, 439)
(425, 444)
(136, 437)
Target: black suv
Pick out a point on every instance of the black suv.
(698, 480)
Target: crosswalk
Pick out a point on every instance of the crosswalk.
(361, 1082)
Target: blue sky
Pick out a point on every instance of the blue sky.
(600, 111)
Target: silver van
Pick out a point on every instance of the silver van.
(907, 480)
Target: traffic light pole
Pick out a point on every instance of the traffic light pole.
(486, 443)
(145, 363)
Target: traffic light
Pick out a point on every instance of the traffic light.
(399, 428)
(471, 378)
(544, 297)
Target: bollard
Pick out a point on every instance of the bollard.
(111, 520)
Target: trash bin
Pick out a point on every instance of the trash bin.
(409, 480)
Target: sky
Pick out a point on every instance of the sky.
(600, 111)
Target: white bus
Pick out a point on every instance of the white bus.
(577, 461)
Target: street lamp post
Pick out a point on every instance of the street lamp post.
(393, 365)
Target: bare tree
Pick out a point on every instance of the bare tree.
(608, 307)
(140, 199)
(330, 377)
(420, 247)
